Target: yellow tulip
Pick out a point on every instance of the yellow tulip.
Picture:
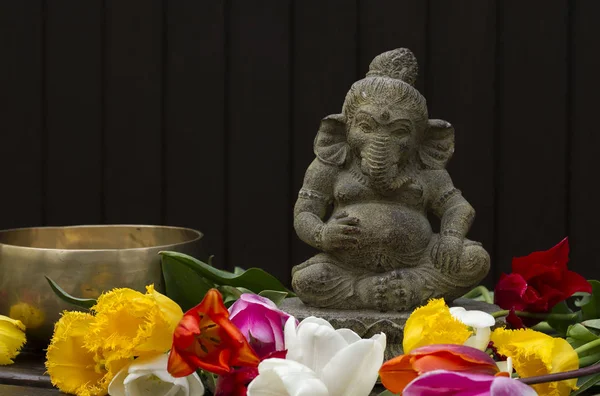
(433, 324)
(12, 339)
(72, 368)
(31, 316)
(87, 350)
(534, 353)
(129, 323)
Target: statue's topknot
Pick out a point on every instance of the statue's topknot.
(399, 64)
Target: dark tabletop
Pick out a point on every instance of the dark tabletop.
(26, 377)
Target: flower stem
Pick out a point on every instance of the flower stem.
(544, 327)
(589, 360)
(587, 347)
(561, 376)
(522, 314)
(480, 291)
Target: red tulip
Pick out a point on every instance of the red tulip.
(538, 282)
(236, 382)
(205, 338)
(398, 372)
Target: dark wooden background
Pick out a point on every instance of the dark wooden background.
(202, 113)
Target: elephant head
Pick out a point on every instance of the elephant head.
(384, 125)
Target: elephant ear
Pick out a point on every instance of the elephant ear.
(330, 144)
(438, 145)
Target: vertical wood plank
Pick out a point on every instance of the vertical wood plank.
(21, 40)
(324, 69)
(74, 112)
(133, 123)
(384, 25)
(585, 140)
(461, 90)
(194, 111)
(531, 174)
(259, 218)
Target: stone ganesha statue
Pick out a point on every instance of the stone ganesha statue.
(379, 170)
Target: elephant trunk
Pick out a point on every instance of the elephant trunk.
(380, 163)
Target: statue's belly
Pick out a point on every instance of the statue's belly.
(391, 236)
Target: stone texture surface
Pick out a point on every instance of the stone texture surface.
(380, 168)
(368, 322)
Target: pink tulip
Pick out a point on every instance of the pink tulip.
(261, 322)
(440, 382)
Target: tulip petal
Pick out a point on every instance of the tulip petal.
(505, 366)
(249, 298)
(168, 307)
(147, 384)
(557, 257)
(12, 339)
(213, 303)
(465, 384)
(573, 282)
(252, 320)
(359, 378)
(396, 373)
(319, 344)
(178, 366)
(276, 325)
(504, 386)
(469, 355)
(480, 340)
(291, 341)
(509, 292)
(117, 386)
(350, 336)
(440, 382)
(536, 353)
(285, 377)
(433, 324)
(238, 306)
(154, 363)
(314, 320)
(196, 386)
(473, 318)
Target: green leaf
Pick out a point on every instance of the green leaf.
(238, 270)
(387, 393)
(592, 323)
(254, 279)
(230, 294)
(208, 379)
(184, 286)
(562, 326)
(276, 296)
(591, 308)
(584, 383)
(86, 303)
(575, 343)
(580, 332)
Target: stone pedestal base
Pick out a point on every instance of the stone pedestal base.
(367, 323)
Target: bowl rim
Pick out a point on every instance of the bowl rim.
(198, 235)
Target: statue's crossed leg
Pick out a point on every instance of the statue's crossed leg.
(323, 282)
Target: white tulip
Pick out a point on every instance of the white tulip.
(506, 366)
(149, 376)
(480, 322)
(321, 361)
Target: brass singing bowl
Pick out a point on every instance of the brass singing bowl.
(85, 261)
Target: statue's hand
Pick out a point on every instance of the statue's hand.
(340, 232)
(446, 253)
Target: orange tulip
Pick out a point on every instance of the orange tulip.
(205, 338)
(400, 371)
